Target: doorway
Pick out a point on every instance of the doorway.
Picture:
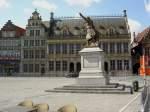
(71, 67)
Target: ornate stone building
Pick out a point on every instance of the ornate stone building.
(67, 37)
(33, 59)
(10, 48)
(50, 48)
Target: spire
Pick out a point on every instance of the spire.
(125, 13)
(51, 15)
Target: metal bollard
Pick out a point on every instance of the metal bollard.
(136, 86)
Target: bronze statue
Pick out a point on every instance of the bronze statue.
(91, 37)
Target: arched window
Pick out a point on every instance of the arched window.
(76, 30)
(121, 29)
(111, 30)
(102, 29)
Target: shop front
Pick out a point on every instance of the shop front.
(9, 67)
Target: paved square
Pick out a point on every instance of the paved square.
(15, 90)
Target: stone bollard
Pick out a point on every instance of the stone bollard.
(26, 103)
(42, 107)
(67, 108)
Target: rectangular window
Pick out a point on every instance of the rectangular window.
(58, 48)
(42, 53)
(78, 48)
(37, 54)
(112, 65)
(8, 33)
(71, 49)
(126, 64)
(37, 42)
(37, 32)
(31, 42)
(147, 51)
(148, 62)
(51, 48)
(58, 66)
(119, 64)
(64, 48)
(112, 48)
(42, 42)
(64, 66)
(51, 65)
(37, 67)
(31, 54)
(25, 42)
(25, 68)
(30, 68)
(119, 48)
(25, 52)
(125, 48)
(31, 32)
(105, 47)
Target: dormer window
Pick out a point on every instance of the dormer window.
(76, 30)
(121, 29)
(102, 27)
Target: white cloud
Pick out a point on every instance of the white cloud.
(85, 3)
(4, 3)
(135, 26)
(147, 5)
(44, 4)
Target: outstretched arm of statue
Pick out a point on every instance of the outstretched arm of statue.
(83, 17)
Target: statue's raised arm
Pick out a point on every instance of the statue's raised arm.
(83, 17)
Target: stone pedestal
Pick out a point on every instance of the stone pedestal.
(92, 67)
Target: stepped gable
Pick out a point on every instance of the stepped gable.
(9, 26)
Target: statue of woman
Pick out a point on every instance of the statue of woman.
(91, 32)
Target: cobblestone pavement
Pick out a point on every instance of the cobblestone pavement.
(15, 90)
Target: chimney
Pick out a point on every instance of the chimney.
(51, 24)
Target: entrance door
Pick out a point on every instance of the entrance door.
(106, 67)
(78, 67)
(71, 67)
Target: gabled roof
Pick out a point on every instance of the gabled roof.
(100, 23)
(9, 26)
(142, 35)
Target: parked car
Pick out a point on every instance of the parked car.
(72, 74)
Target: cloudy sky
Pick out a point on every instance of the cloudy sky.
(20, 10)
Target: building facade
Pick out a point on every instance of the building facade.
(34, 47)
(67, 37)
(10, 48)
(141, 53)
(51, 48)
